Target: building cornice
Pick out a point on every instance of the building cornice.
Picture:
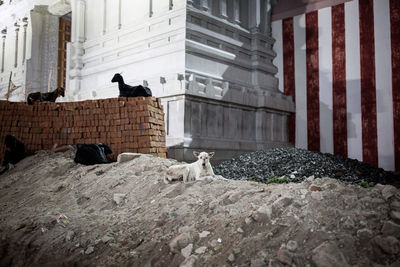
(290, 8)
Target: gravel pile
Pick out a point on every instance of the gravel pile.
(295, 165)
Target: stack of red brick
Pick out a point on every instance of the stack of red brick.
(125, 124)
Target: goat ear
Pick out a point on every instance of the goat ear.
(196, 154)
(211, 154)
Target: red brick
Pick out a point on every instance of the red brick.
(43, 124)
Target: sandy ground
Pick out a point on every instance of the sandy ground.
(54, 212)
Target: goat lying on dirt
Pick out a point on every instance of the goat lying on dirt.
(45, 97)
(130, 91)
(193, 171)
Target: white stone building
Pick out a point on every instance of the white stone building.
(210, 61)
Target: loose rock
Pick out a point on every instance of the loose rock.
(328, 255)
(395, 205)
(189, 262)
(186, 251)
(284, 256)
(204, 234)
(262, 214)
(391, 228)
(364, 235)
(69, 235)
(240, 230)
(89, 250)
(180, 242)
(292, 245)
(119, 198)
(274, 263)
(200, 250)
(107, 238)
(388, 244)
(388, 191)
(395, 215)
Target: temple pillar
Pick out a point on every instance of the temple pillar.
(41, 71)
(75, 49)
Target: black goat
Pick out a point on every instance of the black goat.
(130, 91)
(45, 97)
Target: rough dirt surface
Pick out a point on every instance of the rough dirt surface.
(57, 213)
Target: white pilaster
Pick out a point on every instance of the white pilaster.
(3, 35)
(16, 45)
(119, 14)
(150, 8)
(25, 21)
(266, 16)
(236, 11)
(104, 16)
(384, 96)
(254, 15)
(223, 8)
(204, 5)
(77, 40)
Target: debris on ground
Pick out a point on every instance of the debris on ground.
(123, 214)
(290, 164)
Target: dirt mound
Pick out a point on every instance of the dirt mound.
(55, 212)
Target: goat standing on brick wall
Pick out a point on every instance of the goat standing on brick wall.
(45, 97)
(130, 91)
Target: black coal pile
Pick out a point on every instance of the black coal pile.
(295, 165)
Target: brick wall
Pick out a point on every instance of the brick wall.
(125, 124)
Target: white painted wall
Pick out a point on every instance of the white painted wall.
(9, 14)
(145, 48)
(383, 68)
(325, 79)
(384, 103)
(299, 28)
(353, 83)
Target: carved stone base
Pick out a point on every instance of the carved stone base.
(218, 116)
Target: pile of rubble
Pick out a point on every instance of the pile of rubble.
(298, 164)
(55, 212)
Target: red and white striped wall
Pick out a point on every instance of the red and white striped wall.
(341, 64)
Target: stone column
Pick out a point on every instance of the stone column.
(266, 16)
(223, 9)
(3, 36)
(254, 15)
(204, 5)
(78, 21)
(119, 14)
(236, 11)
(16, 45)
(77, 39)
(25, 21)
(44, 42)
(150, 8)
(104, 17)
